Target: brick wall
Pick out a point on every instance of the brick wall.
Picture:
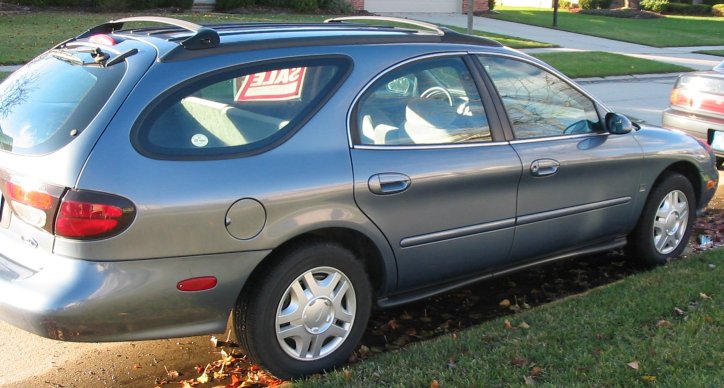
(478, 5)
(357, 4)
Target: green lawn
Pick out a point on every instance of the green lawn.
(662, 327)
(26, 35)
(711, 52)
(662, 32)
(600, 64)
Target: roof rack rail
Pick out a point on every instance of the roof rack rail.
(415, 23)
(203, 37)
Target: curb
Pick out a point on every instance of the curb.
(627, 78)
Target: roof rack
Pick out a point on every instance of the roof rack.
(203, 37)
(415, 23)
(446, 34)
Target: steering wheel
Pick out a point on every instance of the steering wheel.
(437, 92)
(580, 126)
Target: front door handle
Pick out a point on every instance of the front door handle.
(544, 167)
(388, 183)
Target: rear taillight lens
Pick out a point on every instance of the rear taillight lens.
(34, 203)
(692, 99)
(75, 214)
(91, 215)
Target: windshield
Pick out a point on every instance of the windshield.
(48, 102)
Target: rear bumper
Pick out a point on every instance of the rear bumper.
(87, 301)
(698, 126)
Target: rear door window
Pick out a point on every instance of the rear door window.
(46, 104)
(239, 111)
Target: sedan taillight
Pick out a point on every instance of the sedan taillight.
(74, 214)
(91, 215)
(692, 99)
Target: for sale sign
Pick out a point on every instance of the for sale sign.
(272, 85)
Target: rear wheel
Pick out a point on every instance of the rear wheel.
(307, 312)
(666, 222)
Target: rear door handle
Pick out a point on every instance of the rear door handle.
(388, 183)
(544, 167)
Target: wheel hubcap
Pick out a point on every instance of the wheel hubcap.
(670, 222)
(315, 314)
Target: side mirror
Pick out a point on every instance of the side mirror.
(618, 124)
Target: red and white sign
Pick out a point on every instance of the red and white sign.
(272, 85)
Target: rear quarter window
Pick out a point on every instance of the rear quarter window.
(247, 110)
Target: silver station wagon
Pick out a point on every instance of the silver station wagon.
(157, 179)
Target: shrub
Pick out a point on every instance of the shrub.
(225, 5)
(718, 10)
(594, 4)
(564, 4)
(686, 9)
(654, 5)
(339, 7)
(713, 2)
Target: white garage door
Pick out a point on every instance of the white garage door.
(414, 5)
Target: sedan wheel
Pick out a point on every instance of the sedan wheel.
(666, 221)
(305, 310)
(670, 222)
(316, 314)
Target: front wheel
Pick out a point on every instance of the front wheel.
(307, 312)
(666, 222)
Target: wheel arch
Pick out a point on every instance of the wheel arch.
(379, 270)
(690, 172)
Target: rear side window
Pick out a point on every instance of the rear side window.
(45, 104)
(237, 112)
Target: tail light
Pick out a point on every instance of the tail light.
(75, 214)
(34, 203)
(91, 215)
(692, 99)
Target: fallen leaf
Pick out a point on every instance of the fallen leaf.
(519, 361)
(204, 378)
(137, 366)
(704, 296)
(679, 311)
(504, 303)
(651, 379)
(406, 316)
(434, 384)
(529, 380)
(171, 373)
(664, 323)
(524, 325)
(507, 325)
(536, 371)
(392, 324)
(347, 374)
(633, 365)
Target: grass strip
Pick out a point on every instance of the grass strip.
(27, 35)
(664, 326)
(719, 53)
(602, 64)
(668, 31)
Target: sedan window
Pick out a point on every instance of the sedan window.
(240, 111)
(538, 103)
(433, 101)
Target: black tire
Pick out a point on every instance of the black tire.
(668, 198)
(257, 310)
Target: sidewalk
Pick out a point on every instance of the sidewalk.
(569, 41)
